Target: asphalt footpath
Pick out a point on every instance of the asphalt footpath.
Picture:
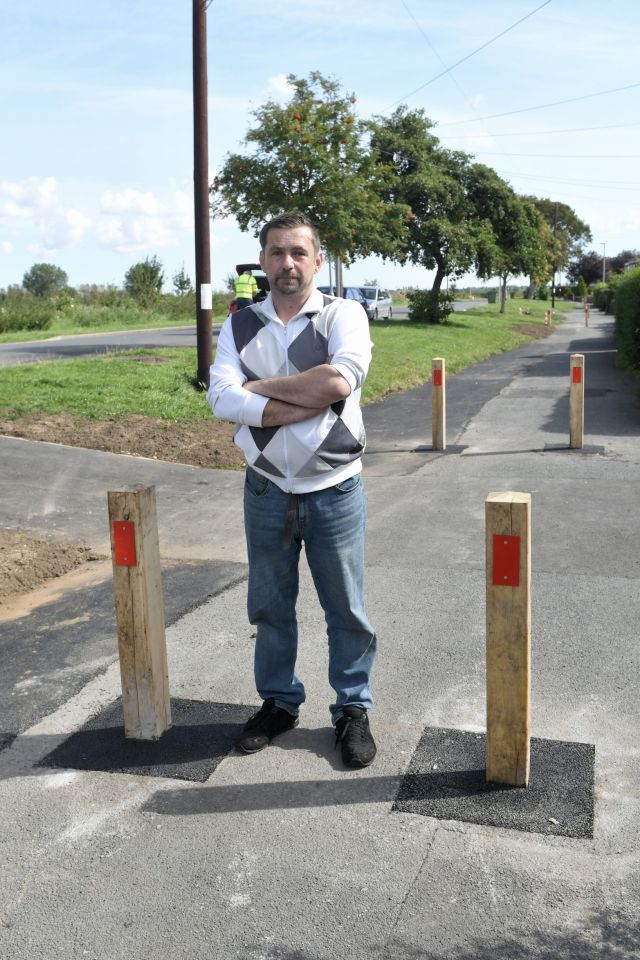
(185, 849)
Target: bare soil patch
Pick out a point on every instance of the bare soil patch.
(201, 443)
(27, 563)
(535, 330)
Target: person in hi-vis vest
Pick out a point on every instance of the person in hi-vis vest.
(246, 289)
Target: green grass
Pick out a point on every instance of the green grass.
(103, 320)
(118, 385)
(107, 387)
(402, 350)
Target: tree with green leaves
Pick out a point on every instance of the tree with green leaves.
(515, 239)
(44, 280)
(568, 230)
(430, 181)
(182, 282)
(143, 281)
(310, 156)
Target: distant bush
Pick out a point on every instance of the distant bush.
(20, 310)
(425, 308)
(97, 295)
(627, 314)
(143, 281)
(602, 295)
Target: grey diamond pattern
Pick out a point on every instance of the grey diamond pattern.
(282, 451)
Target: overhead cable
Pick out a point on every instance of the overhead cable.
(472, 54)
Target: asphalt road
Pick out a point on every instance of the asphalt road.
(97, 344)
(285, 855)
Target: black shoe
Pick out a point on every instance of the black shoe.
(352, 731)
(263, 726)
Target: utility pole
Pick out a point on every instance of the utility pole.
(553, 276)
(201, 192)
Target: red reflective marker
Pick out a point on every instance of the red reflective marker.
(124, 542)
(576, 374)
(506, 561)
(437, 378)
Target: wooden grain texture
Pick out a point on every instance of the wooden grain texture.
(576, 402)
(509, 645)
(438, 405)
(140, 618)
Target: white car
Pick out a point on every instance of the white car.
(376, 301)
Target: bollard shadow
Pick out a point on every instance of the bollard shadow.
(445, 780)
(202, 735)
(358, 788)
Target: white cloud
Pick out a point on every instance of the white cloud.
(279, 86)
(131, 201)
(136, 222)
(32, 206)
(24, 198)
(61, 229)
(7, 247)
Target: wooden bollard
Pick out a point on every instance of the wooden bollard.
(547, 318)
(139, 613)
(438, 404)
(508, 546)
(576, 401)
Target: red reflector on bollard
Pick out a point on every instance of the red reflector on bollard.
(437, 378)
(506, 561)
(124, 542)
(576, 374)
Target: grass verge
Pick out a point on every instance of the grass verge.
(158, 383)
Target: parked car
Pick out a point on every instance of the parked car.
(376, 301)
(261, 280)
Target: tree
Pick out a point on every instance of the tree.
(182, 283)
(44, 280)
(569, 231)
(143, 281)
(430, 181)
(617, 264)
(588, 266)
(515, 239)
(310, 156)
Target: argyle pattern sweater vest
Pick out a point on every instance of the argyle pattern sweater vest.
(315, 447)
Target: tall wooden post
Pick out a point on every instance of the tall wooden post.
(438, 404)
(139, 613)
(576, 401)
(508, 549)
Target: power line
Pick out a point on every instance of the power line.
(561, 156)
(538, 133)
(435, 52)
(472, 54)
(573, 183)
(541, 106)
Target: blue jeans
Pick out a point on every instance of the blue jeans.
(331, 524)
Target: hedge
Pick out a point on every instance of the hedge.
(627, 316)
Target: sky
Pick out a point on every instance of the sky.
(96, 134)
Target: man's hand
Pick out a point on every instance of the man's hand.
(316, 388)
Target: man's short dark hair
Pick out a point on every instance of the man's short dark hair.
(290, 221)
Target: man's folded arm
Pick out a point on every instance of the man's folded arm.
(316, 388)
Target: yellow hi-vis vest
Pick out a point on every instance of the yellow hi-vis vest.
(246, 286)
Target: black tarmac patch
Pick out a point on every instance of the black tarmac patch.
(446, 780)
(201, 736)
